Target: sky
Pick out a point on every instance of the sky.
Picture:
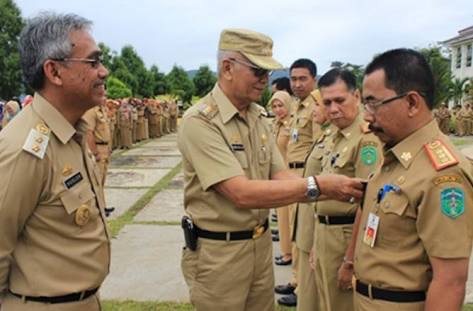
(186, 32)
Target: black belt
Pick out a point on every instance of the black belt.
(336, 220)
(389, 295)
(58, 299)
(101, 143)
(296, 165)
(235, 235)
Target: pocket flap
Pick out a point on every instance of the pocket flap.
(72, 199)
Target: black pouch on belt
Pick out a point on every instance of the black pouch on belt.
(190, 233)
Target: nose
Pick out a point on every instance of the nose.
(103, 71)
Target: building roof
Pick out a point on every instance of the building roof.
(463, 35)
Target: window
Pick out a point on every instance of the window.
(459, 57)
(468, 55)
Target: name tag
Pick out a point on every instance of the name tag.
(371, 230)
(73, 180)
(238, 147)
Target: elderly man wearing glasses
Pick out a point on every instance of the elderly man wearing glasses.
(229, 155)
(415, 234)
(54, 245)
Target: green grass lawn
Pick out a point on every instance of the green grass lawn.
(111, 305)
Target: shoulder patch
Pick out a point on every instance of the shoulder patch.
(209, 110)
(369, 154)
(452, 202)
(447, 179)
(439, 154)
(37, 141)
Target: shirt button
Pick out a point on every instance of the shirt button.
(386, 168)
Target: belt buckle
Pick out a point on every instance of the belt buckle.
(327, 219)
(258, 231)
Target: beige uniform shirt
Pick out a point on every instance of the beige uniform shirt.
(301, 133)
(217, 143)
(351, 152)
(429, 215)
(305, 211)
(97, 119)
(51, 209)
(281, 131)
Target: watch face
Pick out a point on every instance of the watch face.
(312, 193)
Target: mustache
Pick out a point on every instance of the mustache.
(374, 128)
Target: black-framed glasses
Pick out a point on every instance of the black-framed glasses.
(372, 106)
(94, 62)
(257, 71)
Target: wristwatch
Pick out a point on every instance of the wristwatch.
(313, 192)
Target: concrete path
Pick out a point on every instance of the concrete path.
(146, 253)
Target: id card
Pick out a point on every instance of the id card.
(371, 230)
(294, 135)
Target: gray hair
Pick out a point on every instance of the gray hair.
(221, 56)
(46, 36)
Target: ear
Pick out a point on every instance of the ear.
(414, 101)
(227, 70)
(52, 72)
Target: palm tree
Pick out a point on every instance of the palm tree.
(457, 90)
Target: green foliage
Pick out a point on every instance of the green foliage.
(204, 80)
(11, 24)
(265, 97)
(161, 85)
(180, 84)
(116, 88)
(440, 66)
(107, 55)
(456, 90)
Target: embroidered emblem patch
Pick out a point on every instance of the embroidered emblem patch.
(369, 155)
(452, 202)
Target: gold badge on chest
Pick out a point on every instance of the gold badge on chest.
(82, 215)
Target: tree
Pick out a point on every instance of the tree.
(11, 24)
(137, 69)
(204, 80)
(457, 90)
(180, 84)
(107, 55)
(121, 72)
(161, 86)
(440, 66)
(116, 88)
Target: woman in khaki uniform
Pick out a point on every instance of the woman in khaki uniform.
(10, 110)
(280, 105)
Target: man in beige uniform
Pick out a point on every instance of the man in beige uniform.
(415, 234)
(353, 152)
(54, 245)
(303, 80)
(99, 137)
(173, 111)
(228, 156)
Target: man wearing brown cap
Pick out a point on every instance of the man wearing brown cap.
(229, 156)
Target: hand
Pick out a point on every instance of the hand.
(340, 187)
(311, 259)
(345, 274)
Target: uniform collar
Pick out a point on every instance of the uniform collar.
(352, 128)
(228, 110)
(406, 150)
(309, 100)
(63, 130)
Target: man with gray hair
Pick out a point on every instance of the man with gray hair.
(229, 155)
(54, 244)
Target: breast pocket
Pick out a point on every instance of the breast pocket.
(77, 198)
(241, 157)
(302, 122)
(344, 165)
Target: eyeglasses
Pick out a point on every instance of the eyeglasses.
(94, 62)
(257, 71)
(372, 106)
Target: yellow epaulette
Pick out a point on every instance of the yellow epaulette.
(440, 155)
(37, 141)
(209, 110)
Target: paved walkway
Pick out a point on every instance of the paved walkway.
(146, 252)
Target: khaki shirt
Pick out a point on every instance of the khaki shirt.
(217, 143)
(352, 152)
(305, 220)
(97, 120)
(419, 220)
(281, 132)
(55, 233)
(301, 134)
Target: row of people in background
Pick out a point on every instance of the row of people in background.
(457, 121)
